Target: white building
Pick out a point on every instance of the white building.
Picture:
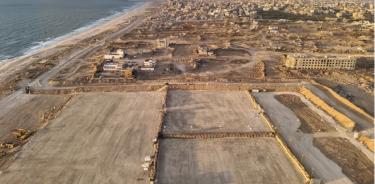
(148, 65)
(118, 54)
(111, 67)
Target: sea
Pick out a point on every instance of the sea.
(29, 25)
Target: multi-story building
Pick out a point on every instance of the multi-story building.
(323, 63)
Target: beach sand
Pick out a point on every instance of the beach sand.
(11, 66)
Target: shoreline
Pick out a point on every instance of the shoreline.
(92, 24)
(114, 22)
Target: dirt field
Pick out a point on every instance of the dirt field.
(211, 111)
(311, 122)
(352, 161)
(255, 161)
(182, 50)
(21, 117)
(27, 112)
(98, 138)
(231, 52)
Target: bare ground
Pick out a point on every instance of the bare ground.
(21, 118)
(211, 111)
(311, 122)
(353, 162)
(98, 138)
(255, 161)
(27, 113)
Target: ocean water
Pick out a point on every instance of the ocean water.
(27, 25)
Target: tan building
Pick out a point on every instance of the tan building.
(128, 73)
(323, 63)
(162, 43)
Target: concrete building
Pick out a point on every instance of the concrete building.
(314, 62)
(128, 73)
(162, 43)
(118, 54)
(148, 65)
(204, 51)
(111, 67)
(273, 29)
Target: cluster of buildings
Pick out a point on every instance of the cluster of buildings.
(300, 61)
(115, 65)
(182, 10)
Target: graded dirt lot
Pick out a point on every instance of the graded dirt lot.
(97, 138)
(352, 161)
(235, 160)
(311, 122)
(211, 111)
(21, 116)
(27, 111)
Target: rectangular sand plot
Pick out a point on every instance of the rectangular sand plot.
(234, 160)
(211, 111)
(98, 138)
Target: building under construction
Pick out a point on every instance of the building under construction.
(325, 62)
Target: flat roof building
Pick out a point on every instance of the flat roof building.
(117, 54)
(111, 67)
(297, 61)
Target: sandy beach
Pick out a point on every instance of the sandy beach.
(11, 66)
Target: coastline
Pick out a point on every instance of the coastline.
(52, 41)
(114, 22)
